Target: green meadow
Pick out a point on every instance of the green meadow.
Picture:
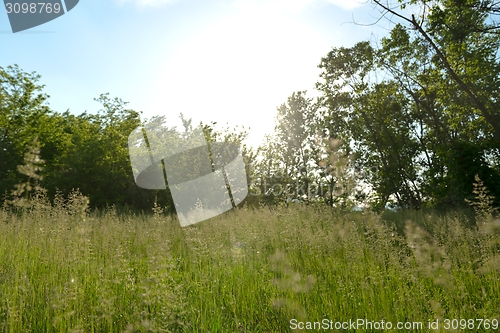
(249, 270)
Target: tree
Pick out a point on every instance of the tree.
(97, 158)
(454, 86)
(24, 116)
(294, 135)
(422, 107)
(464, 38)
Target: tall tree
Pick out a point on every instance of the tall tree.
(294, 132)
(463, 36)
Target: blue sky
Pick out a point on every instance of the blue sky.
(229, 61)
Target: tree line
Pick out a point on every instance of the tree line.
(62, 152)
(410, 121)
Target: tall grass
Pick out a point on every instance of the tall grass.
(65, 270)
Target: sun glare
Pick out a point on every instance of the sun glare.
(240, 69)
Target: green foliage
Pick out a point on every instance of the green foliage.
(97, 161)
(420, 111)
(24, 115)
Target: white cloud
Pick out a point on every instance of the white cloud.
(273, 6)
(294, 6)
(146, 3)
(348, 4)
(268, 6)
